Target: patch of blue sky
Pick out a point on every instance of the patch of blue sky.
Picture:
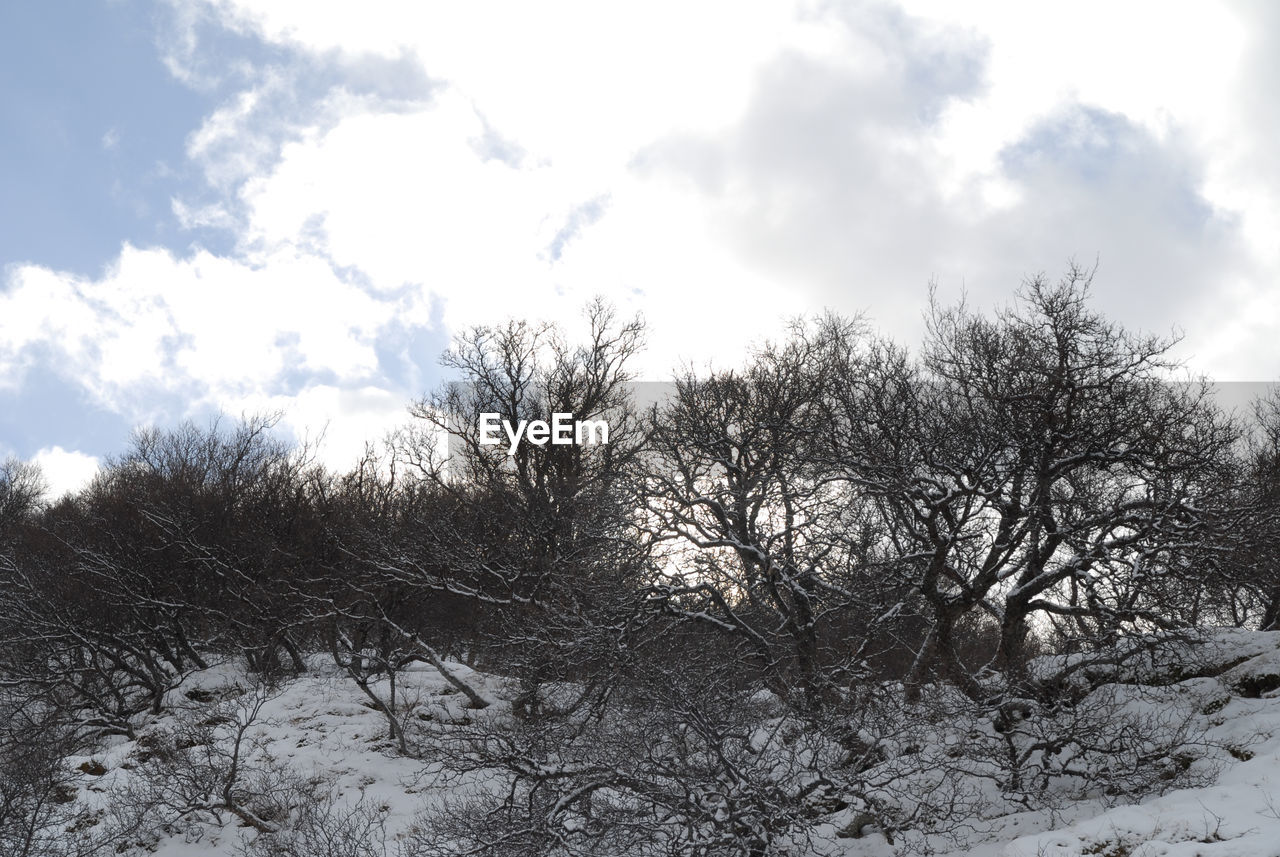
(94, 127)
(94, 130)
(408, 356)
(582, 217)
(49, 410)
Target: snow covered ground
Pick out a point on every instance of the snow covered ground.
(320, 728)
(1237, 816)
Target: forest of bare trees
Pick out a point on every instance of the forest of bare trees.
(760, 603)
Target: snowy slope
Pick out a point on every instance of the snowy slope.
(318, 726)
(321, 728)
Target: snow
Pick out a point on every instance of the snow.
(1237, 816)
(320, 727)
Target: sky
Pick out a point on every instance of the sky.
(239, 206)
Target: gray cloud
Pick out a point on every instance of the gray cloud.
(1096, 184)
(832, 182)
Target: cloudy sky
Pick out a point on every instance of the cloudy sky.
(240, 205)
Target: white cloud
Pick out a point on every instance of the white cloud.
(841, 154)
(335, 423)
(212, 329)
(286, 335)
(470, 194)
(65, 470)
(716, 166)
(545, 73)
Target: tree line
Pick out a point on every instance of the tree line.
(840, 535)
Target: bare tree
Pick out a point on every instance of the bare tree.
(1038, 463)
(539, 539)
(761, 539)
(22, 488)
(232, 510)
(1245, 586)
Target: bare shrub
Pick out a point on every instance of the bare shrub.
(684, 762)
(39, 816)
(325, 828)
(212, 761)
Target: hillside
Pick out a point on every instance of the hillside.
(316, 757)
